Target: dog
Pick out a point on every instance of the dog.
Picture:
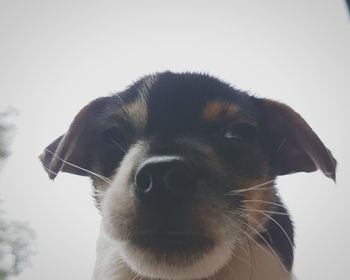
(183, 167)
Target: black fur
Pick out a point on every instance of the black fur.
(281, 240)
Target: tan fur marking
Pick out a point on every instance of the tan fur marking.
(136, 113)
(231, 110)
(255, 203)
(216, 110)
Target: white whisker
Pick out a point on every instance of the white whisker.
(279, 225)
(281, 145)
(232, 272)
(261, 226)
(263, 238)
(265, 241)
(233, 192)
(243, 260)
(264, 201)
(79, 167)
(136, 275)
(119, 146)
(259, 245)
(267, 211)
(252, 260)
(50, 171)
(270, 247)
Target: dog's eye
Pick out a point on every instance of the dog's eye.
(242, 132)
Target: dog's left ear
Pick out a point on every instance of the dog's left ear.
(71, 152)
(293, 144)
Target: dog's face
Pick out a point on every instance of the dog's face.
(183, 166)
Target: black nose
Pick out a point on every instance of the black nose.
(162, 177)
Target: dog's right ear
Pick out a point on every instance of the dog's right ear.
(71, 152)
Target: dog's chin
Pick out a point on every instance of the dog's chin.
(167, 257)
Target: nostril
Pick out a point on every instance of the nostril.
(144, 181)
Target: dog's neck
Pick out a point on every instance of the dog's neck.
(254, 262)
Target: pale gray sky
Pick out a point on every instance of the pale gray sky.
(56, 56)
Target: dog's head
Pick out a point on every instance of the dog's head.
(183, 166)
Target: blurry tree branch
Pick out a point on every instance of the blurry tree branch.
(6, 132)
(17, 245)
(17, 239)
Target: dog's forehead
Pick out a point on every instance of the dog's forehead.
(172, 100)
(187, 91)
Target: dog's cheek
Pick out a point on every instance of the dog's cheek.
(216, 216)
(257, 200)
(119, 210)
(255, 187)
(215, 210)
(249, 175)
(119, 216)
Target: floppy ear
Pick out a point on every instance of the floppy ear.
(71, 151)
(292, 142)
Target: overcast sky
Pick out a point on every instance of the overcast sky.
(56, 56)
